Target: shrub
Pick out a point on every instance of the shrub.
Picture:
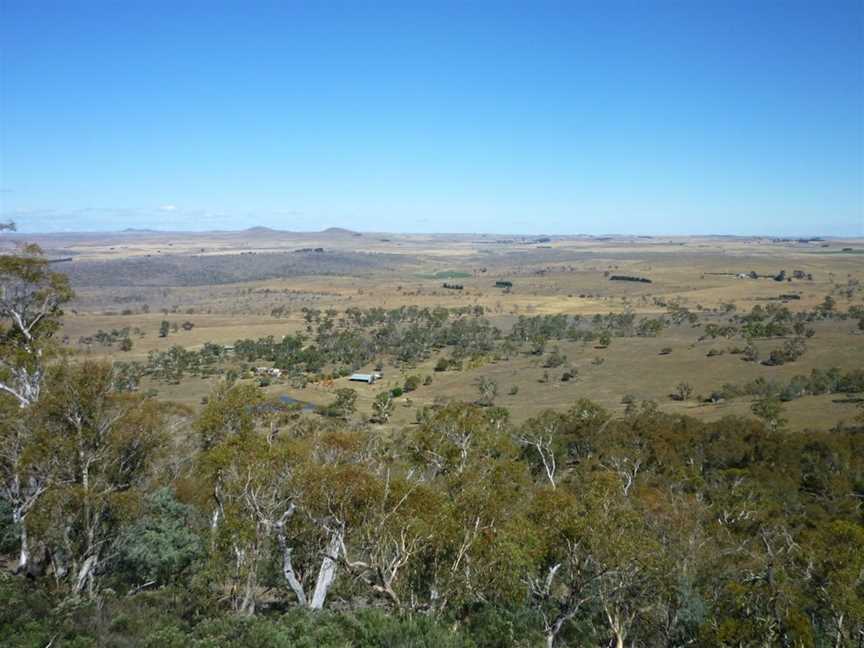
(160, 546)
(683, 391)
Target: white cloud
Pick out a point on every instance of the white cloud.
(168, 207)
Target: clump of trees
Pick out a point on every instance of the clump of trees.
(790, 351)
(819, 381)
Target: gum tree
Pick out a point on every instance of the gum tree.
(31, 299)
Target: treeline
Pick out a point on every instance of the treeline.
(629, 278)
(336, 344)
(820, 381)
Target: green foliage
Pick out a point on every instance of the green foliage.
(161, 544)
(487, 389)
(31, 301)
(343, 406)
(230, 410)
(770, 410)
(33, 618)
(8, 529)
(382, 407)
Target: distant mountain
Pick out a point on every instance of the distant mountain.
(134, 230)
(340, 231)
(260, 229)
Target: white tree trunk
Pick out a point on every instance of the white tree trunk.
(288, 571)
(85, 574)
(327, 573)
(24, 555)
(618, 627)
(247, 606)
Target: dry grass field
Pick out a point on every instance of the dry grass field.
(228, 284)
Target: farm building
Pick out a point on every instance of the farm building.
(359, 377)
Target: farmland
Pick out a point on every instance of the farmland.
(259, 283)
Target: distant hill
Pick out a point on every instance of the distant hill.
(340, 231)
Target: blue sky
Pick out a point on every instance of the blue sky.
(553, 117)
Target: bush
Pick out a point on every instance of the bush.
(31, 617)
(555, 359)
(683, 391)
(493, 626)
(160, 545)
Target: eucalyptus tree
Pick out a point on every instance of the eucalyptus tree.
(108, 443)
(382, 407)
(487, 389)
(31, 300)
